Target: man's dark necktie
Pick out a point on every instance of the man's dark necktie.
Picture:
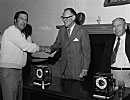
(68, 31)
(113, 57)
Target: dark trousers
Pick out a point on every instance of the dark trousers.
(11, 83)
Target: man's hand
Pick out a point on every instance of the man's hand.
(83, 73)
(42, 48)
(46, 49)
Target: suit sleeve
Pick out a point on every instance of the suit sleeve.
(85, 43)
(57, 43)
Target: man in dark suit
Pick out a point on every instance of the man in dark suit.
(120, 66)
(75, 54)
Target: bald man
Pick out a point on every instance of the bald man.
(119, 66)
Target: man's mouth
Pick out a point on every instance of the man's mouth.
(23, 25)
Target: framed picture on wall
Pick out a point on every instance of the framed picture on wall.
(108, 3)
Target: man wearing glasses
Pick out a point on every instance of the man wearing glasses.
(75, 44)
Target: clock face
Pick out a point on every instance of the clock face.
(101, 82)
(39, 73)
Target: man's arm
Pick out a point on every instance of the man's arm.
(85, 43)
(20, 41)
(57, 43)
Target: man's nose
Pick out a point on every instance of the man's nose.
(24, 21)
(116, 28)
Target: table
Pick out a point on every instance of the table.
(62, 89)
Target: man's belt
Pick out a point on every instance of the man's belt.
(115, 68)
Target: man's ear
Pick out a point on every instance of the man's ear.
(126, 26)
(74, 17)
(15, 21)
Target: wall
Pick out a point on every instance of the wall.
(95, 8)
(44, 15)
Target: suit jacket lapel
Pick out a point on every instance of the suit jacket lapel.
(109, 46)
(74, 31)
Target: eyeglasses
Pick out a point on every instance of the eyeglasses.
(63, 18)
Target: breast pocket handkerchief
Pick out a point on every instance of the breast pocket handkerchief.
(76, 39)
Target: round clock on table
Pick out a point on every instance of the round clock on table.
(104, 85)
(101, 83)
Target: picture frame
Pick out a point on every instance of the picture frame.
(108, 3)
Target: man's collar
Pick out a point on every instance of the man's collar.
(71, 28)
(122, 36)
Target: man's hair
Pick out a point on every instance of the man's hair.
(120, 18)
(71, 10)
(18, 13)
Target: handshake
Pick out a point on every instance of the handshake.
(46, 49)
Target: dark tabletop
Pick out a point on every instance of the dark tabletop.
(67, 88)
(73, 89)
